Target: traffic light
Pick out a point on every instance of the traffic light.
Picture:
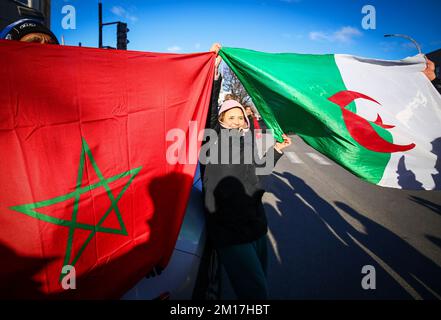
(121, 36)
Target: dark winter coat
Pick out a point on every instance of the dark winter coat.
(232, 192)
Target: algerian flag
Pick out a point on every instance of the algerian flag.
(379, 119)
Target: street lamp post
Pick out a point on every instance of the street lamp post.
(408, 38)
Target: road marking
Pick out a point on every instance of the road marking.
(318, 159)
(293, 158)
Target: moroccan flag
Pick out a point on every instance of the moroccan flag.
(84, 177)
(381, 120)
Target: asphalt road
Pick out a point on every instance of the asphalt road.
(326, 225)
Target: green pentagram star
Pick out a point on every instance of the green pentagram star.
(30, 209)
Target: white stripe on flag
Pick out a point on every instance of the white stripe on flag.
(408, 101)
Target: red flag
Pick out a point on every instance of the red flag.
(257, 126)
(84, 176)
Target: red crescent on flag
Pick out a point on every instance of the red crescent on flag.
(360, 129)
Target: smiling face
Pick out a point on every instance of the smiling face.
(233, 118)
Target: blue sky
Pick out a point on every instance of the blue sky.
(302, 26)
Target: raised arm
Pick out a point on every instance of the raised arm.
(212, 116)
(431, 74)
(263, 169)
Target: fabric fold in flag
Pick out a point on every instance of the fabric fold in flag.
(84, 177)
(379, 119)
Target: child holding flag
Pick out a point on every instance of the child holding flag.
(236, 220)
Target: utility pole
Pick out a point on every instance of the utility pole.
(100, 25)
(121, 31)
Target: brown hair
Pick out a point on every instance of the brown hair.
(230, 96)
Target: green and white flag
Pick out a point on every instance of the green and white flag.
(379, 119)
